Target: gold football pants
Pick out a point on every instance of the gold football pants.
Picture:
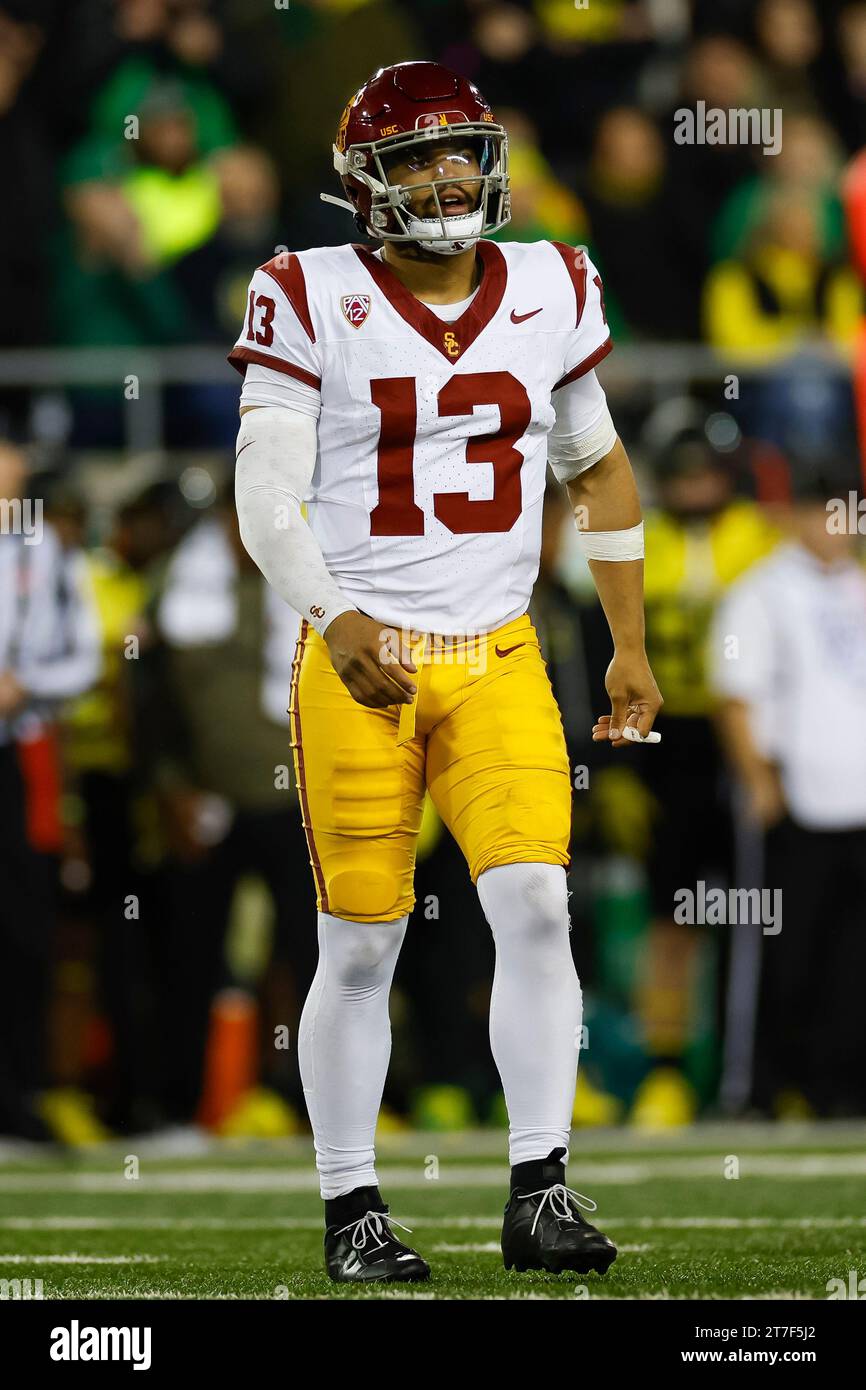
(483, 735)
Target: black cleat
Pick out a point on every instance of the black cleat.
(546, 1230)
(366, 1251)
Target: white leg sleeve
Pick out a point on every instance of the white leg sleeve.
(537, 1007)
(344, 1046)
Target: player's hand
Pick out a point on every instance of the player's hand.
(765, 797)
(635, 701)
(362, 658)
(12, 693)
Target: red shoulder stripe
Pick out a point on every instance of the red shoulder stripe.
(240, 356)
(586, 365)
(290, 278)
(575, 264)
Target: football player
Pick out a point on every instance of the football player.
(411, 392)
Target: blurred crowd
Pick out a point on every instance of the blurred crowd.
(157, 920)
(157, 148)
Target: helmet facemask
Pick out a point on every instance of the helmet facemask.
(390, 216)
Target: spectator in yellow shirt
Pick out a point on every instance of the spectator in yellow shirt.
(781, 293)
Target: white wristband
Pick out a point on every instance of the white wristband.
(613, 545)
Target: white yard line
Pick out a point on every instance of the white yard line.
(81, 1259)
(98, 1292)
(728, 1136)
(738, 1223)
(492, 1247)
(487, 1247)
(463, 1223)
(451, 1175)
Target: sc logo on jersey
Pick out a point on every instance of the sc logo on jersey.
(355, 308)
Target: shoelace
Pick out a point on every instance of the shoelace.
(371, 1226)
(557, 1198)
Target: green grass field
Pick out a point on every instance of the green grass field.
(246, 1222)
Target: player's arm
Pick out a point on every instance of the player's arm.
(758, 776)
(587, 455)
(276, 456)
(281, 361)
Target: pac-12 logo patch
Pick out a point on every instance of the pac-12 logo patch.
(355, 308)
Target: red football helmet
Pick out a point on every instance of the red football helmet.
(391, 120)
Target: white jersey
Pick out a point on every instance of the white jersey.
(429, 483)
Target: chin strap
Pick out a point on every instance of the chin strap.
(350, 207)
(443, 247)
(465, 232)
(338, 202)
(449, 248)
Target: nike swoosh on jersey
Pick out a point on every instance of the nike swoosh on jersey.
(508, 650)
(519, 318)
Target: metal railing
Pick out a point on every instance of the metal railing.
(655, 370)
